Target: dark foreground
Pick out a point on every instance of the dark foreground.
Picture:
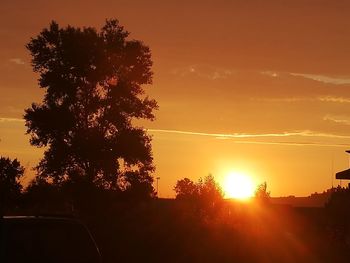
(179, 231)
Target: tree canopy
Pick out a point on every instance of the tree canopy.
(204, 196)
(11, 172)
(206, 190)
(186, 189)
(94, 90)
(261, 193)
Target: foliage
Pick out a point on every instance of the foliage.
(11, 172)
(93, 82)
(186, 189)
(261, 193)
(205, 196)
(43, 197)
(207, 189)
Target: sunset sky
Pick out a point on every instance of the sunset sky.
(261, 87)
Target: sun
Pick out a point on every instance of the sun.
(238, 185)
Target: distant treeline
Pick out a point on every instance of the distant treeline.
(313, 200)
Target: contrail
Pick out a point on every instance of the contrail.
(11, 120)
(264, 135)
(305, 133)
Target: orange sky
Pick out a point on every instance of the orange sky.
(258, 86)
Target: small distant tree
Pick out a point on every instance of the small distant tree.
(93, 84)
(206, 195)
(186, 189)
(11, 172)
(209, 190)
(261, 193)
(206, 188)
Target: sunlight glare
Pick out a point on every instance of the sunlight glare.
(238, 185)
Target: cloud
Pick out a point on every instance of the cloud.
(222, 135)
(17, 61)
(270, 73)
(337, 119)
(331, 99)
(11, 120)
(315, 77)
(334, 99)
(304, 133)
(213, 72)
(323, 78)
(203, 71)
(322, 144)
(284, 99)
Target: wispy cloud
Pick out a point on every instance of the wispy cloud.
(322, 144)
(304, 133)
(283, 99)
(268, 138)
(331, 99)
(323, 78)
(315, 77)
(273, 74)
(337, 119)
(17, 61)
(223, 135)
(334, 99)
(203, 71)
(212, 72)
(11, 120)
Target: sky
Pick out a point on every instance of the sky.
(260, 87)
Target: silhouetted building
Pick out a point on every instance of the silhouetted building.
(343, 175)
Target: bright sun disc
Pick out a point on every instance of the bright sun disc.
(238, 185)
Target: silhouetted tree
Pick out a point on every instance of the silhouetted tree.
(261, 193)
(206, 195)
(209, 190)
(186, 189)
(93, 82)
(41, 196)
(11, 172)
